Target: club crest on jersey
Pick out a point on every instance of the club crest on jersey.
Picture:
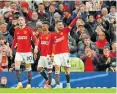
(61, 33)
(25, 32)
(46, 38)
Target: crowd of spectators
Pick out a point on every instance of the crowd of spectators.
(92, 40)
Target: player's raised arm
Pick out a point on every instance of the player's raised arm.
(74, 21)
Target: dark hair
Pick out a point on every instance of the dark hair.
(106, 47)
(46, 22)
(41, 4)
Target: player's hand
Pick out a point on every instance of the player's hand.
(35, 50)
(11, 54)
(50, 58)
(35, 56)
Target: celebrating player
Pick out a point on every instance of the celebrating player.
(22, 39)
(45, 60)
(61, 57)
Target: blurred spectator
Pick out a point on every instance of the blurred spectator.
(91, 25)
(67, 16)
(112, 13)
(5, 33)
(80, 31)
(112, 68)
(83, 11)
(13, 25)
(46, 4)
(2, 17)
(72, 43)
(99, 28)
(104, 13)
(6, 7)
(51, 12)
(101, 42)
(5, 52)
(33, 21)
(90, 60)
(27, 12)
(41, 12)
(86, 42)
(57, 17)
(3, 82)
(61, 10)
(105, 60)
(113, 51)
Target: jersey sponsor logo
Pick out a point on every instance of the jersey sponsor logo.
(59, 39)
(22, 37)
(45, 42)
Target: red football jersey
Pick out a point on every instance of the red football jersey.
(23, 39)
(61, 41)
(44, 44)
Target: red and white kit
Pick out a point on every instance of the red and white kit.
(22, 38)
(44, 47)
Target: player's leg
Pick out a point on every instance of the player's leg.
(49, 69)
(57, 64)
(29, 70)
(67, 74)
(18, 60)
(40, 68)
(67, 66)
(28, 59)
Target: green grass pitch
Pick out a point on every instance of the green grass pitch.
(58, 91)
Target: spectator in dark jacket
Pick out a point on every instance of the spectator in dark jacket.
(41, 12)
(105, 60)
(91, 25)
(67, 16)
(50, 14)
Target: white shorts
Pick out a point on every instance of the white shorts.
(44, 62)
(62, 60)
(24, 57)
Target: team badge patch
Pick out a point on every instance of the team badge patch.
(25, 32)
